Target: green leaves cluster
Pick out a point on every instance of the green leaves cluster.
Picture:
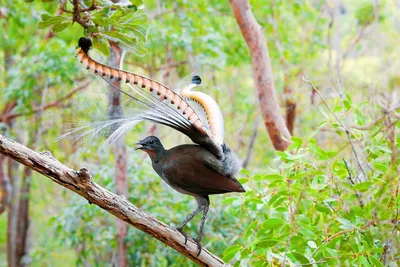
(318, 207)
(122, 24)
(56, 23)
(35, 71)
(367, 13)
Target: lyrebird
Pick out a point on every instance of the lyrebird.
(199, 170)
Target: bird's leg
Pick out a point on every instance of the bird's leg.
(188, 218)
(206, 204)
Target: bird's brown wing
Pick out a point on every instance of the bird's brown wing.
(185, 169)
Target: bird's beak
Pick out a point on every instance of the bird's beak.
(140, 144)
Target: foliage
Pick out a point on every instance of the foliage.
(365, 15)
(39, 75)
(329, 207)
(107, 21)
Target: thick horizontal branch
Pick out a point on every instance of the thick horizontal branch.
(81, 183)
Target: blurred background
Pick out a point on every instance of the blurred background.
(332, 200)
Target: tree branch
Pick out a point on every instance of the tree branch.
(262, 71)
(82, 183)
(9, 116)
(251, 143)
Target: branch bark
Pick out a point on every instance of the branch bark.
(82, 183)
(262, 70)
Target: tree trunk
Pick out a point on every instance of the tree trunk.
(121, 181)
(18, 204)
(19, 219)
(5, 186)
(11, 217)
(23, 219)
(262, 70)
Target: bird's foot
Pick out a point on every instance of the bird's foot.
(183, 233)
(198, 246)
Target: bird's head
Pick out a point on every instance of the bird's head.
(151, 145)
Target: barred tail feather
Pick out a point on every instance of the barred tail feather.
(193, 113)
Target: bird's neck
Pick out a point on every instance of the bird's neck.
(156, 156)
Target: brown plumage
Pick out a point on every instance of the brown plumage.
(185, 168)
(189, 169)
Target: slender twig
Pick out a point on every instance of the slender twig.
(340, 123)
(77, 10)
(252, 142)
(240, 132)
(370, 223)
(356, 40)
(358, 194)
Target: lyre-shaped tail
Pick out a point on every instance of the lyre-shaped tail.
(166, 106)
(210, 107)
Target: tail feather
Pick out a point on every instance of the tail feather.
(195, 114)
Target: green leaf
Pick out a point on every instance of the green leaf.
(139, 31)
(117, 36)
(62, 26)
(363, 186)
(272, 177)
(243, 180)
(374, 260)
(265, 243)
(258, 177)
(229, 200)
(230, 252)
(102, 45)
(381, 167)
(322, 208)
(282, 154)
(48, 20)
(300, 258)
(234, 248)
(126, 41)
(250, 228)
(330, 200)
(254, 200)
(346, 224)
(139, 19)
(272, 223)
(311, 244)
(357, 210)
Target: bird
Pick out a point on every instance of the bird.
(187, 169)
(205, 168)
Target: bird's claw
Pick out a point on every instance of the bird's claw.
(198, 246)
(196, 240)
(183, 233)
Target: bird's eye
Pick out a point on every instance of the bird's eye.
(151, 142)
